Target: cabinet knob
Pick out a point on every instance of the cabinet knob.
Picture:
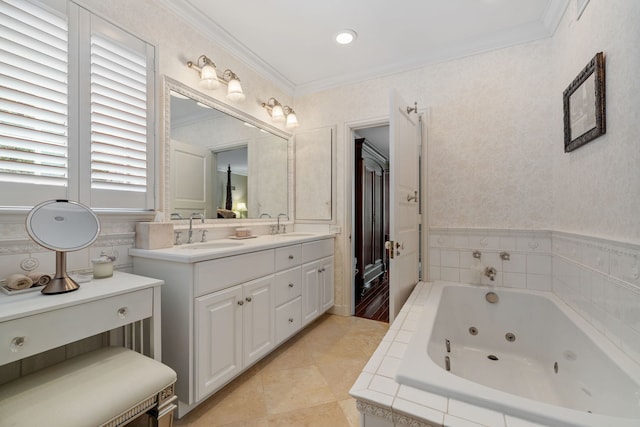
(319, 270)
(240, 302)
(291, 285)
(290, 319)
(17, 343)
(290, 256)
(248, 299)
(122, 312)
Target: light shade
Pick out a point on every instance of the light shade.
(209, 76)
(292, 120)
(277, 113)
(234, 90)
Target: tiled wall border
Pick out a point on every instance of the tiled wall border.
(451, 257)
(600, 279)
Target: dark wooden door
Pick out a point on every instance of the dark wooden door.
(370, 214)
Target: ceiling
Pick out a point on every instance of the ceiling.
(291, 42)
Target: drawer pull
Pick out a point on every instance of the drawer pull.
(248, 299)
(17, 343)
(290, 319)
(290, 256)
(291, 285)
(240, 302)
(122, 312)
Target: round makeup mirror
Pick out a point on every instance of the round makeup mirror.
(62, 226)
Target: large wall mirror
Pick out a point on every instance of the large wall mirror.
(221, 162)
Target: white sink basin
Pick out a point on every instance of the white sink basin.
(294, 235)
(211, 245)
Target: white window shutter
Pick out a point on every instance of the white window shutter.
(122, 80)
(33, 104)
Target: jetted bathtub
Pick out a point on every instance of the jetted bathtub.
(523, 353)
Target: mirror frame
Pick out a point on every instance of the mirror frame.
(172, 85)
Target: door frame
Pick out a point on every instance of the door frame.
(349, 201)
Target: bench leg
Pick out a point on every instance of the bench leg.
(162, 414)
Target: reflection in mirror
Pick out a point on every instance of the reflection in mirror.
(221, 163)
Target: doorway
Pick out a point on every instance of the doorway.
(371, 222)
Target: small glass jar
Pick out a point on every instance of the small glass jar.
(102, 266)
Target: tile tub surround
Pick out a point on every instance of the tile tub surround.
(529, 267)
(383, 402)
(597, 277)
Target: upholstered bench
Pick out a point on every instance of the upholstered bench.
(106, 387)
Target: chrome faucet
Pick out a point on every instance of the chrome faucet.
(283, 228)
(195, 215)
(490, 272)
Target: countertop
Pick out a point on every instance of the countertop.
(220, 248)
(30, 303)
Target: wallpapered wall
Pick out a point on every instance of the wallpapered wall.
(597, 187)
(495, 132)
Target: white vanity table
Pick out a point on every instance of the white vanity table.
(228, 303)
(98, 306)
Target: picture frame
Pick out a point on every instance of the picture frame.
(584, 105)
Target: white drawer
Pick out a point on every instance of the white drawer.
(222, 273)
(316, 250)
(45, 331)
(288, 319)
(288, 256)
(288, 285)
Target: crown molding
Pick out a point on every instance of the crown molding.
(543, 28)
(195, 18)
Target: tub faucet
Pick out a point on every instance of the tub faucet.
(490, 272)
(195, 215)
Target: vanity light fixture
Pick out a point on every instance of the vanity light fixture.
(292, 119)
(210, 79)
(234, 89)
(280, 113)
(207, 70)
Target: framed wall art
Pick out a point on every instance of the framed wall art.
(584, 105)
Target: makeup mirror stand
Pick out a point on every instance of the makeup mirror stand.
(61, 282)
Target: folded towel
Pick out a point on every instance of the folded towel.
(18, 282)
(39, 278)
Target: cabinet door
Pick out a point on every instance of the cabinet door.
(219, 339)
(259, 322)
(326, 284)
(310, 291)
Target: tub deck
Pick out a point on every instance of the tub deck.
(383, 402)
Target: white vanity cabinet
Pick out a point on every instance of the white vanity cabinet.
(317, 279)
(234, 329)
(224, 311)
(288, 291)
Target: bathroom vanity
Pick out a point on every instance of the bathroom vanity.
(228, 303)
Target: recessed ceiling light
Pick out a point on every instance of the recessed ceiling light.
(346, 36)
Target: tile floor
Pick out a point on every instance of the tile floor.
(305, 382)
